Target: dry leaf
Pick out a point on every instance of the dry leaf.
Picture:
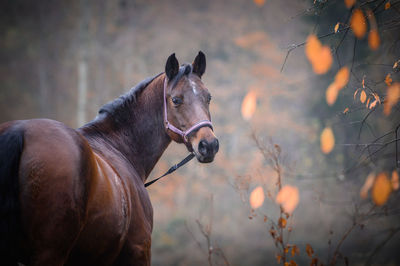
(257, 197)
(396, 64)
(395, 180)
(381, 189)
(282, 223)
(337, 27)
(278, 258)
(392, 96)
(355, 93)
(358, 23)
(286, 250)
(376, 96)
(373, 40)
(387, 5)
(324, 62)
(349, 3)
(369, 181)
(375, 102)
(259, 3)
(319, 56)
(369, 99)
(249, 105)
(288, 197)
(388, 80)
(342, 77)
(312, 48)
(295, 250)
(327, 140)
(363, 96)
(309, 250)
(331, 94)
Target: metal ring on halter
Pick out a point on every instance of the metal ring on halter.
(176, 130)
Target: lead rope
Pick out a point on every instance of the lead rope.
(172, 169)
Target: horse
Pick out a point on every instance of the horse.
(77, 196)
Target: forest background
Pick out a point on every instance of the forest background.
(304, 104)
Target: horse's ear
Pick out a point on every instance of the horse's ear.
(171, 67)
(199, 64)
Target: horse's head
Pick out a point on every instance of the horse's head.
(186, 105)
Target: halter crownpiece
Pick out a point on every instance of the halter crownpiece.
(176, 130)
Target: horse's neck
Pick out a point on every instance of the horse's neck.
(141, 138)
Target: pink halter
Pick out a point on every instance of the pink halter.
(176, 130)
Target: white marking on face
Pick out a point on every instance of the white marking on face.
(194, 87)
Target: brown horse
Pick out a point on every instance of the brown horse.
(77, 197)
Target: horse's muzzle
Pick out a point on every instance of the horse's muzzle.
(207, 149)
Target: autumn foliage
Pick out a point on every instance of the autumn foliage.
(319, 55)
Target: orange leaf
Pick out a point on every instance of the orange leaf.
(249, 105)
(295, 250)
(257, 197)
(369, 99)
(313, 46)
(324, 62)
(342, 77)
(331, 94)
(337, 27)
(327, 140)
(349, 3)
(373, 104)
(388, 80)
(381, 189)
(376, 96)
(363, 96)
(358, 23)
(396, 64)
(393, 94)
(282, 223)
(395, 180)
(278, 258)
(309, 250)
(288, 197)
(369, 181)
(259, 3)
(387, 5)
(355, 93)
(286, 250)
(319, 56)
(373, 39)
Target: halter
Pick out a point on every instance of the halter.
(183, 134)
(176, 130)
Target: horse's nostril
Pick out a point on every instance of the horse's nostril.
(203, 147)
(215, 145)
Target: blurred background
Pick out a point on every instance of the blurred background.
(64, 59)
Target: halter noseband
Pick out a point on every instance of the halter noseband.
(176, 130)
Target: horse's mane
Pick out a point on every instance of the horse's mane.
(127, 98)
(118, 107)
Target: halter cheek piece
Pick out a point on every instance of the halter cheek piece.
(169, 126)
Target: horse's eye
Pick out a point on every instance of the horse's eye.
(208, 98)
(177, 101)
